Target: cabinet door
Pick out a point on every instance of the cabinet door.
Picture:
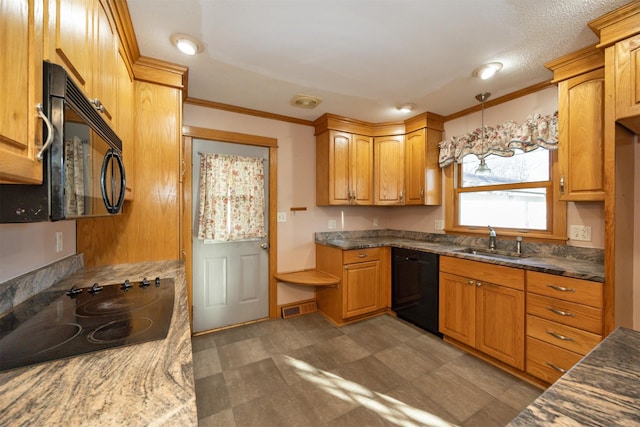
(581, 136)
(21, 89)
(339, 168)
(457, 311)
(72, 41)
(414, 168)
(388, 171)
(500, 323)
(627, 71)
(361, 178)
(360, 288)
(104, 67)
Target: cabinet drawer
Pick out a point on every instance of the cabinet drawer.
(484, 272)
(564, 336)
(360, 255)
(567, 313)
(546, 361)
(565, 288)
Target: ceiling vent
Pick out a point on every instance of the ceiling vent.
(306, 101)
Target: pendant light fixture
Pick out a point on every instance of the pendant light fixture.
(483, 169)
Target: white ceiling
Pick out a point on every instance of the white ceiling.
(363, 57)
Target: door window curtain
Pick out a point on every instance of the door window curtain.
(232, 201)
(537, 131)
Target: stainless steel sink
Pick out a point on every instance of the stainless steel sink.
(511, 256)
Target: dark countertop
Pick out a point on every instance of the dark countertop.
(563, 266)
(144, 384)
(603, 389)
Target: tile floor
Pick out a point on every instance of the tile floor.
(383, 371)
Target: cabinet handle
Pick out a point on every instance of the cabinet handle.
(470, 282)
(184, 167)
(562, 184)
(362, 255)
(401, 196)
(560, 337)
(422, 193)
(557, 368)
(561, 288)
(560, 312)
(98, 104)
(478, 284)
(49, 140)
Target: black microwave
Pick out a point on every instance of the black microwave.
(83, 170)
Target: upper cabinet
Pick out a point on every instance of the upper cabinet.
(580, 78)
(392, 164)
(344, 169)
(388, 170)
(84, 41)
(619, 36)
(21, 88)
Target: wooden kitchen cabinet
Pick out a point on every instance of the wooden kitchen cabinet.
(365, 287)
(484, 308)
(580, 78)
(344, 169)
(627, 82)
(414, 168)
(388, 170)
(564, 322)
(21, 45)
(83, 39)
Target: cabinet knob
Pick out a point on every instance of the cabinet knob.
(478, 284)
(470, 282)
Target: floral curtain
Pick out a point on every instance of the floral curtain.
(74, 176)
(537, 131)
(232, 199)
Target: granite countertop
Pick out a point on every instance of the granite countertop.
(535, 261)
(603, 389)
(144, 384)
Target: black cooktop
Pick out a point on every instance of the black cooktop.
(58, 323)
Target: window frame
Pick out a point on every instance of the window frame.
(556, 209)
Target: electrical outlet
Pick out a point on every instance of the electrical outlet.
(439, 225)
(375, 222)
(332, 223)
(282, 217)
(580, 232)
(59, 242)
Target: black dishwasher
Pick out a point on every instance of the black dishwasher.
(414, 288)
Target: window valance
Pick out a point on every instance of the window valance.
(536, 131)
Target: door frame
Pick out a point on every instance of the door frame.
(186, 229)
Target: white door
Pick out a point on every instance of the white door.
(230, 279)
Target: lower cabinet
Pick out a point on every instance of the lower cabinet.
(483, 305)
(564, 322)
(365, 286)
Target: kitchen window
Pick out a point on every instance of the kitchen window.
(514, 192)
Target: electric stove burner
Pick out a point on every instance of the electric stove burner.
(56, 323)
(120, 329)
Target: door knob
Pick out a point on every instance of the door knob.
(264, 245)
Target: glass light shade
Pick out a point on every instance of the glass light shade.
(487, 71)
(187, 44)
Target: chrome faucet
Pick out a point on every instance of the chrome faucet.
(492, 238)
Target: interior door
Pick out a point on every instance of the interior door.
(230, 279)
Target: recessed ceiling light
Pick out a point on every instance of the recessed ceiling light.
(187, 44)
(487, 71)
(406, 108)
(305, 101)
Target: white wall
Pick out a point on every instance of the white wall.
(27, 247)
